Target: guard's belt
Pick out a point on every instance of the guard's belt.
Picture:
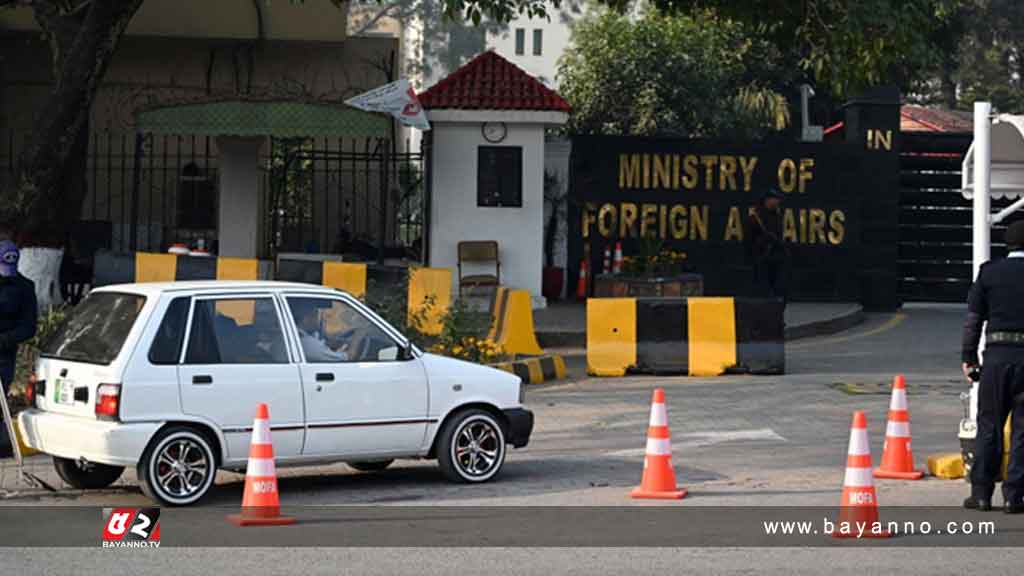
(1005, 338)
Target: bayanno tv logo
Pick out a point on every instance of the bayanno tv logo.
(131, 527)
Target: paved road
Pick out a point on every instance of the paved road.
(738, 441)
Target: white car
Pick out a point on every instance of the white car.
(166, 377)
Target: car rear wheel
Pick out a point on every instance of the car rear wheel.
(178, 467)
(86, 475)
(472, 447)
(372, 466)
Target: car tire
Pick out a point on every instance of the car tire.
(91, 476)
(471, 447)
(370, 466)
(178, 467)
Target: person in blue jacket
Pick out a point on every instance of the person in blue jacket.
(17, 310)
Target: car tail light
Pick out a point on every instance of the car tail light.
(108, 400)
(30, 390)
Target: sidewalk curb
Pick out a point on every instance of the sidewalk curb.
(536, 370)
(826, 327)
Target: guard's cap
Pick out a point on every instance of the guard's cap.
(1015, 235)
(9, 257)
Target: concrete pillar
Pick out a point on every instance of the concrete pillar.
(239, 180)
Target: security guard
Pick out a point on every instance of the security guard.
(997, 297)
(765, 246)
(17, 310)
(17, 320)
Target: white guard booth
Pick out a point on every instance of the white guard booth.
(993, 168)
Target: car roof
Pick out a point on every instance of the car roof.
(202, 286)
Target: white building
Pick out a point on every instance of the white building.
(487, 166)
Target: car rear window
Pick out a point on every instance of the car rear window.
(96, 329)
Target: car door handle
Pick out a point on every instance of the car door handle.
(202, 379)
(325, 377)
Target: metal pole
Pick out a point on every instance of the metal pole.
(383, 216)
(136, 184)
(982, 183)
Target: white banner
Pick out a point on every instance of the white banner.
(397, 99)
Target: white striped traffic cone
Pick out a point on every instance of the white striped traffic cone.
(659, 480)
(260, 503)
(859, 503)
(897, 457)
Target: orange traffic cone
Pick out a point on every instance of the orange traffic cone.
(581, 284)
(260, 504)
(858, 509)
(617, 262)
(897, 457)
(659, 480)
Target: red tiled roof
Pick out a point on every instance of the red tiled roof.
(920, 119)
(490, 82)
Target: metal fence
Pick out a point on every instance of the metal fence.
(327, 195)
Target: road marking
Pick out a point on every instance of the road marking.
(889, 324)
(698, 439)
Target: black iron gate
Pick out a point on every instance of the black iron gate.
(353, 197)
(935, 219)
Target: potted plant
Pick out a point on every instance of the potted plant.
(555, 197)
(655, 270)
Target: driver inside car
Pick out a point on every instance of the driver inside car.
(314, 345)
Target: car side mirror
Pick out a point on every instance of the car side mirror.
(405, 352)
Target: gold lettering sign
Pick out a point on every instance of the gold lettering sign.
(747, 165)
(787, 175)
(648, 220)
(606, 220)
(734, 226)
(690, 168)
(728, 170)
(677, 216)
(627, 220)
(837, 228)
(816, 234)
(629, 171)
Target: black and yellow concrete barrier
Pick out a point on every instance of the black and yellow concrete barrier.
(695, 336)
(536, 370)
(128, 267)
(429, 297)
(347, 276)
(512, 322)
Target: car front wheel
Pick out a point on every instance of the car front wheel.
(86, 475)
(472, 447)
(178, 467)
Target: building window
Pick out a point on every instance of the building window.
(520, 41)
(197, 199)
(538, 42)
(499, 176)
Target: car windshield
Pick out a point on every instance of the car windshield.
(96, 329)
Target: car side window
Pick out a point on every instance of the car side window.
(236, 331)
(166, 347)
(333, 331)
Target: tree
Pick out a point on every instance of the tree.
(991, 58)
(694, 75)
(83, 36)
(845, 46)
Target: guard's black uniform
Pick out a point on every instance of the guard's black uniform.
(767, 251)
(997, 297)
(17, 321)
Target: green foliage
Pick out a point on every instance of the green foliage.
(390, 303)
(28, 352)
(991, 55)
(847, 46)
(690, 75)
(463, 335)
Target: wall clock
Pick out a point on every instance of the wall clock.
(494, 132)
